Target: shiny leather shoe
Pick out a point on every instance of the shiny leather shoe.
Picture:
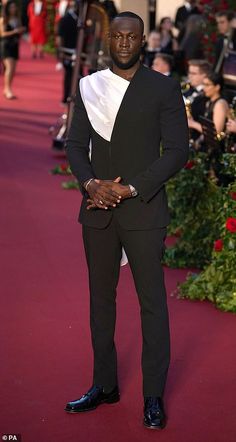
(94, 397)
(154, 415)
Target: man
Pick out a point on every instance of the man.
(163, 63)
(227, 37)
(66, 41)
(124, 113)
(197, 71)
(182, 15)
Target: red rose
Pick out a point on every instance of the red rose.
(189, 165)
(233, 195)
(231, 225)
(64, 167)
(218, 245)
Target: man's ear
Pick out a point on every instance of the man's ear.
(143, 40)
(108, 36)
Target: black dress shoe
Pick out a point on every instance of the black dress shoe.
(94, 397)
(154, 415)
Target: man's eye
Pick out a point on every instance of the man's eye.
(131, 37)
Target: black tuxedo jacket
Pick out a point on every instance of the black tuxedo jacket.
(219, 46)
(183, 14)
(152, 112)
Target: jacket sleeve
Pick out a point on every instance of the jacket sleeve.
(175, 145)
(77, 144)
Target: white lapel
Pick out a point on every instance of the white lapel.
(102, 94)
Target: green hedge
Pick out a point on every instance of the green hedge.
(204, 218)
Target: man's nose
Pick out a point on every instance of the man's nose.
(124, 42)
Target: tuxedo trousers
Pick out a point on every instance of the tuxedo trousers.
(144, 249)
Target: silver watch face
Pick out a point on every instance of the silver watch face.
(133, 190)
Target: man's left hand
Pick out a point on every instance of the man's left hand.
(120, 189)
(115, 186)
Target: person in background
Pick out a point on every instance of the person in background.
(67, 40)
(191, 44)
(37, 27)
(182, 15)
(193, 91)
(60, 11)
(110, 8)
(216, 107)
(227, 37)
(197, 71)
(10, 32)
(163, 63)
(151, 48)
(168, 42)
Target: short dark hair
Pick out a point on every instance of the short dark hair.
(228, 14)
(130, 14)
(215, 78)
(168, 59)
(202, 64)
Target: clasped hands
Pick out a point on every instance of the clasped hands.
(106, 193)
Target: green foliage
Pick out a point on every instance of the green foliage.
(62, 169)
(217, 282)
(68, 185)
(229, 164)
(193, 200)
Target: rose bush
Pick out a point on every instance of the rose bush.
(218, 245)
(231, 225)
(217, 282)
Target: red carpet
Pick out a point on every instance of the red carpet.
(46, 355)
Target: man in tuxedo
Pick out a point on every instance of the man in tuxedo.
(121, 116)
(227, 37)
(197, 70)
(183, 13)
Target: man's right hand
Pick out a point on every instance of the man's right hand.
(102, 196)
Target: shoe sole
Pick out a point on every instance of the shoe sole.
(110, 401)
(153, 427)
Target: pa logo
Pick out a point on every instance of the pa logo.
(11, 437)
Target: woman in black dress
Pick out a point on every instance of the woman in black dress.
(216, 107)
(10, 31)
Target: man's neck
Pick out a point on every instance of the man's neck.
(127, 74)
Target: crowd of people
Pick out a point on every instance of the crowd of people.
(173, 48)
(181, 54)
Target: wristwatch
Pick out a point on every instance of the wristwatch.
(133, 191)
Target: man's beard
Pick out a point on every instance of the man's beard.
(129, 64)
